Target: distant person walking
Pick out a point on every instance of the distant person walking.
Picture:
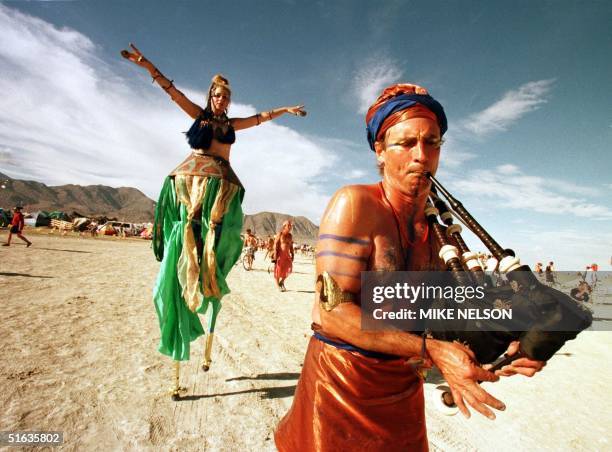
(539, 271)
(581, 293)
(591, 276)
(270, 248)
(549, 274)
(16, 228)
(283, 255)
(250, 246)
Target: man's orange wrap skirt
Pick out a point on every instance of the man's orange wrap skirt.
(345, 401)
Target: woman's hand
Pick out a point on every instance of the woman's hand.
(458, 365)
(136, 57)
(298, 110)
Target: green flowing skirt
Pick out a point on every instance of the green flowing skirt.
(218, 251)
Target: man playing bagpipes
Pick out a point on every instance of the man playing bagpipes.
(364, 389)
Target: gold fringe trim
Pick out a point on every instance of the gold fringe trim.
(226, 193)
(190, 191)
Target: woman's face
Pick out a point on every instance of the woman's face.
(220, 100)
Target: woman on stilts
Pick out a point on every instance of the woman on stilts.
(198, 218)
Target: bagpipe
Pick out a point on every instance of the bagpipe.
(543, 318)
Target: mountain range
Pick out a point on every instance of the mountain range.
(125, 204)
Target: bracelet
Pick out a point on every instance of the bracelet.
(424, 346)
(270, 118)
(258, 119)
(156, 75)
(424, 354)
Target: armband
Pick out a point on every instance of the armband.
(330, 294)
(169, 87)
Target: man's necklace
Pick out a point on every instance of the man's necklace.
(405, 242)
(403, 234)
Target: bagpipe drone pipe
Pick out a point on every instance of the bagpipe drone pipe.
(543, 318)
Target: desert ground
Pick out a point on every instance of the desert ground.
(79, 340)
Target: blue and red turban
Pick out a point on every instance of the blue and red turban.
(398, 103)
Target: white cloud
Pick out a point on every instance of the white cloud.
(508, 169)
(454, 154)
(508, 187)
(510, 108)
(376, 74)
(67, 117)
(356, 174)
(569, 248)
(540, 218)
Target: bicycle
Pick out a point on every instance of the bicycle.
(247, 259)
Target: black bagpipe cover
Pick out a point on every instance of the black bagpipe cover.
(543, 320)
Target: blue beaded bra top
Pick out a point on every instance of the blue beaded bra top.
(208, 126)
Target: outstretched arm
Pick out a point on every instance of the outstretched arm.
(255, 120)
(177, 96)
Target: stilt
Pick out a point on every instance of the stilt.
(207, 352)
(176, 390)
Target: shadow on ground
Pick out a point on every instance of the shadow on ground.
(24, 274)
(266, 393)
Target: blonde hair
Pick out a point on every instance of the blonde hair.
(218, 81)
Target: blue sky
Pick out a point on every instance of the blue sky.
(526, 86)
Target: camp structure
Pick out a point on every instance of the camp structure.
(36, 219)
(5, 218)
(58, 215)
(81, 224)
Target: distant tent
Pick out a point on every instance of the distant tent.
(40, 218)
(5, 218)
(107, 229)
(57, 215)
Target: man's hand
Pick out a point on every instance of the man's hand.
(458, 365)
(523, 366)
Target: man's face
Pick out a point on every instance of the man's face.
(409, 151)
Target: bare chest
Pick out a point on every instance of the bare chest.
(388, 254)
